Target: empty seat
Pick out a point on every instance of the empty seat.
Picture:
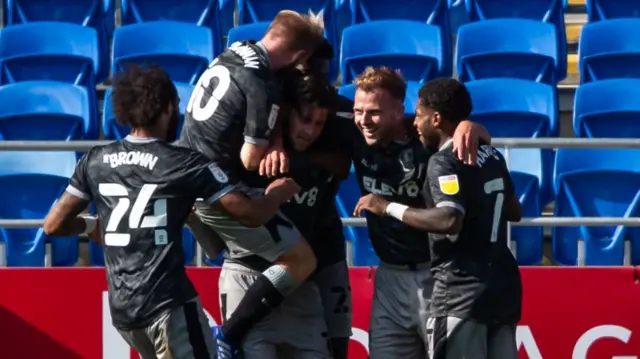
(183, 50)
(410, 100)
(596, 183)
(30, 182)
(598, 10)
(114, 131)
(45, 110)
(96, 14)
(216, 15)
(348, 196)
(527, 173)
(609, 49)
(432, 12)
(515, 48)
(412, 47)
(549, 11)
(247, 32)
(608, 108)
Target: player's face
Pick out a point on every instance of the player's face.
(426, 123)
(377, 114)
(306, 127)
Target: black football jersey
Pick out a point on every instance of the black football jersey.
(235, 101)
(396, 172)
(465, 281)
(144, 189)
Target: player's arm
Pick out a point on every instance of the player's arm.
(466, 140)
(63, 219)
(512, 208)
(448, 198)
(261, 119)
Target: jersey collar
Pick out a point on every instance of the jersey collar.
(446, 145)
(135, 139)
(265, 54)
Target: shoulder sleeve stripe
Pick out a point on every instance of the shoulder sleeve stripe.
(219, 194)
(78, 193)
(451, 204)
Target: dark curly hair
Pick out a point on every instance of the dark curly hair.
(447, 96)
(303, 89)
(141, 94)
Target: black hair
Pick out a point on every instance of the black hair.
(447, 96)
(141, 94)
(302, 89)
(321, 58)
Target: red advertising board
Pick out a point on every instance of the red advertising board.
(577, 313)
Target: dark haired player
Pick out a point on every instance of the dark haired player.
(144, 189)
(476, 297)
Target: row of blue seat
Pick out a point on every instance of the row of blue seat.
(588, 183)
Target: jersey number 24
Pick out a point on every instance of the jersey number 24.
(136, 220)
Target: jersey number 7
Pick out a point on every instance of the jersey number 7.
(496, 185)
(158, 219)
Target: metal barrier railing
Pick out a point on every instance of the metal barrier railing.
(507, 143)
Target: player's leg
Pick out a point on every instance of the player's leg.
(455, 338)
(302, 324)
(183, 333)
(502, 342)
(277, 242)
(140, 342)
(235, 280)
(399, 304)
(335, 292)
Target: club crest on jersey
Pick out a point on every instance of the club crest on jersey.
(449, 184)
(218, 173)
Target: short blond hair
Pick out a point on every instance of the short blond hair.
(384, 78)
(300, 32)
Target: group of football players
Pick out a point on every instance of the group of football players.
(265, 143)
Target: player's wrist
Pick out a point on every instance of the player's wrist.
(90, 224)
(396, 210)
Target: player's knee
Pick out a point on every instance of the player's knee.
(300, 260)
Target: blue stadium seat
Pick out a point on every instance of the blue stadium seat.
(598, 10)
(432, 12)
(515, 108)
(527, 172)
(549, 11)
(45, 110)
(597, 183)
(410, 101)
(247, 32)
(348, 196)
(183, 50)
(96, 254)
(515, 48)
(609, 50)
(412, 47)
(252, 11)
(97, 14)
(608, 108)
(30, 182)
(113, 131)
(216, 15)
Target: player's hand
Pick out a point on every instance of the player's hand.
(371, 203)
(465, 141)
(283, 188)
(95, 235)
(275, 162)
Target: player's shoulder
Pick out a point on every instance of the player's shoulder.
(344, 108)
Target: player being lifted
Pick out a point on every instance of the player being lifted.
(297, 329)
(144, 189)
(476, 297)
(390, 161)
(230, 117)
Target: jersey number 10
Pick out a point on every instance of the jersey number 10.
(496, 185)
(159, 218)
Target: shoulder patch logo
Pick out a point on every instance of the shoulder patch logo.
(218, 173)
(449, 184)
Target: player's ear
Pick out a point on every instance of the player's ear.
(300, 58)
(436, 119)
